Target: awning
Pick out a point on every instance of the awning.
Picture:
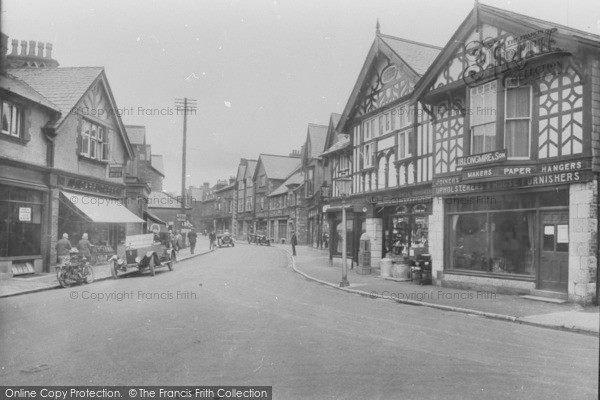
(153, 218)
(100, 209)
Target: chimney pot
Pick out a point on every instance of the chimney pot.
(49, 50)
(32, 48)
(23, 48)
(15, 47)
(40, 46)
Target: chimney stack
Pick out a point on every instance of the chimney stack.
(3, 51)
(40, 46)
(32, 48)
(23, 48)
(15, 47)
(48, 50)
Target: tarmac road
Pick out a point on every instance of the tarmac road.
(240, 316)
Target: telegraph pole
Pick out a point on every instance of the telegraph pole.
(184, 105)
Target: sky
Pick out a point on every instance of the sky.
(260, 70)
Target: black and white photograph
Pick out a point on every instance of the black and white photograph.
(299, 199)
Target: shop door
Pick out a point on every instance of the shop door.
(554, 254)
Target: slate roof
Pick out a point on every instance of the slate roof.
(249, 173)
(279, 167)
(296, 178)
(136, 133)
(335, 118)
(20, 88)
(418, 56)
(318, 136)
(156, 160)
(63, 86)
(342, 142)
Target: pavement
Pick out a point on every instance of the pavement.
(38, 282)
(314, 264)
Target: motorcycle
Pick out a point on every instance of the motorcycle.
(262, 240)
(74, 269)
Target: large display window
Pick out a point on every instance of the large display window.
(20, 222)
(497, 234)
(406, 231)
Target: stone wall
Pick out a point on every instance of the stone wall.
(583, 241)
(374, 228)
(436, 239)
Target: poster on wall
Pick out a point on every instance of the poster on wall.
(25, 214)
(562, 234)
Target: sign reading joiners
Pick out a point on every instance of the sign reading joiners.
(483, 158)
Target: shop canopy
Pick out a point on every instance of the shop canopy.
(100, 209)
(153, 218)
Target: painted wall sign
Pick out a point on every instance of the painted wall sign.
(483, 158)
(388, 74)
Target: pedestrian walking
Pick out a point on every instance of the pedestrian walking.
(212, 237)
(85, 247)
(192, 236)
(294, 243)
(178, 241)
(63, 246)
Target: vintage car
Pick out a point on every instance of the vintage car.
(225, 239)
(141, 252)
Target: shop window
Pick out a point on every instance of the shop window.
(20, 222)
(518, 121)
(11, 117)
(483, 107)
(407, 235)
(493, 242)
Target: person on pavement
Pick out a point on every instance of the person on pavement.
(85, 247)
(192, 236)
(294, 243)
(212, 237)
(63, 246)
(178, 241)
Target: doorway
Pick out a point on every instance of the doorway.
(554, 252)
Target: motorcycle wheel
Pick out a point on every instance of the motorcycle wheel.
(151, 266)
(88, 273)
(61, 279)
(113, 270)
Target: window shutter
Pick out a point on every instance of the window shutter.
(25, 118)
(106, 145)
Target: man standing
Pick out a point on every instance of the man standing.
(212, 237)
(62, 247)
(85, 247)
(192, 239)
(294, 243)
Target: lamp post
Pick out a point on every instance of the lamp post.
(343, 185)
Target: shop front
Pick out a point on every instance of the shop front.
(104, 219)
(23, 227)
(355, 227)
(537, 236)
(406, 230)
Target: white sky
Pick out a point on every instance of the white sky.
(260, 70)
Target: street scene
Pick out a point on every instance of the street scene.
(299, 200)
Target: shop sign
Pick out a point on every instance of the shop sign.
(446, 181)
(93, 187)
(25, 214)
(181, 217)
(532, 181)
(494, 172)
(483, 158)
(514, 171)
